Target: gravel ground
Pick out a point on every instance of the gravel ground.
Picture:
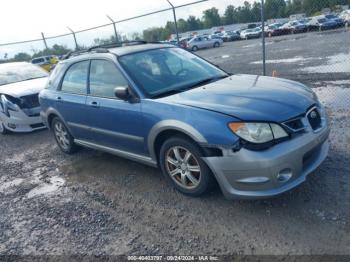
(98, 204)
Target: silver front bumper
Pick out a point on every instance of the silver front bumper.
(262, 174)
(20, 122)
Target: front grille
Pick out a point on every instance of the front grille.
(30, 101)
(314, 118)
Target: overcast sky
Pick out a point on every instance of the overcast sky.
(26, 19)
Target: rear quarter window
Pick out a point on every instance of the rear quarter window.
(75, 78)
(54, 77)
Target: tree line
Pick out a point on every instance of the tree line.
(22, 56)
(246, 13)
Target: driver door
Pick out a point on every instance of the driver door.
(114, 123)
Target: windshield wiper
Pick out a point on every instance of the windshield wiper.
(194, 85)
(203, 82)
(168, 93)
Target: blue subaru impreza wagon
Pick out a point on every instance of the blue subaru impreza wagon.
(166, 107)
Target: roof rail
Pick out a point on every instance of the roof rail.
(118, 44)
(104, 48)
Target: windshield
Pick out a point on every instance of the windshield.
(165, 70)
(322, 20)
(16, 72)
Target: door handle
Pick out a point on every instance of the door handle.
(59, 99)
(94, 104)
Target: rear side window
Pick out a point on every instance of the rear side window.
(53, 77)
(75, 79)
(104, 78)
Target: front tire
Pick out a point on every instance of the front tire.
(3, 130)
(195, 48)
(217, 44)
(181, 162)
(64, 139)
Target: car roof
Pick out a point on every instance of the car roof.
(125, 50)
(118, 51)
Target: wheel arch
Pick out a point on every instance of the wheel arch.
(167, 128)
(51, 114)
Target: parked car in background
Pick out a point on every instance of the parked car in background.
(46, 62)
(20, 84)
(252, 26)
(295, 27)
(339, 22)
(231, 36)
(251, 33)
(345, 16)
(183, 41)
(216, 36)
(172, 42)
(275, 30)
(321, 23)
(200, 42)
(166, 107)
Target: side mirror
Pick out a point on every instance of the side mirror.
(122, 93)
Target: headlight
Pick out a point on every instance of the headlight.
(7, 105)
(258, 132)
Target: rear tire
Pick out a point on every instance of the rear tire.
(216, 44)
(181, 163)
(64, 139)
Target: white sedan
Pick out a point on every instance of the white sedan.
(20, 84)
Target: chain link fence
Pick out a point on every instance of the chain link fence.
(303, 40)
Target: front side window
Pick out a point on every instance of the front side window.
(104, 78)
(75, 79)
(168, 69)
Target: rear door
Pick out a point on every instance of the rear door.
(71, 99)
(115, 123)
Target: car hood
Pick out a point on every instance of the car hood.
(24, 88)
(250, 98)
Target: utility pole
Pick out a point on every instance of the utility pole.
(42, 35)
(115, 29)
(75, 39)
(174, 13)
(263, 37)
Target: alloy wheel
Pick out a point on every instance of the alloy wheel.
(62, 135)
(183, 167)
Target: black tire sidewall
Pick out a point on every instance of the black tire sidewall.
(72, 146)
(195, 48)
(207, 179)
(4, 130)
